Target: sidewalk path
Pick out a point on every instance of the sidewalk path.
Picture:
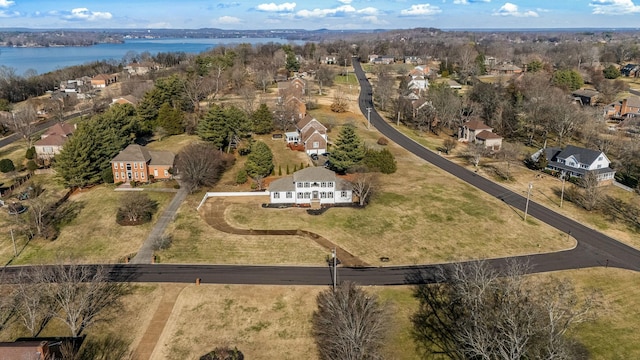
(156, 326)
(145, 254)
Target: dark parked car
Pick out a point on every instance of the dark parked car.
(326, 154)
(314, 156)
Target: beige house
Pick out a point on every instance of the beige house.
(477, 132)
(51, 142)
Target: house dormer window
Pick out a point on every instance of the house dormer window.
(600, 158)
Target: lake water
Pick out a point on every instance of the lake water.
(43, 60)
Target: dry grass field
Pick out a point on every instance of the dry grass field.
(276, 323)
(92, 236)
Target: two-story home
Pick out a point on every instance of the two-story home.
(417, 79)
(51, 142)
(574, 161)
(136, 163)
(310, 133)
(623, 109)
(477, 132)
(314, 186)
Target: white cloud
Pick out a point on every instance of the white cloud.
(228, 20)
(421, 10)
(273, 7)
(614, 7)
(85, 14)
(509, 9)
(321, 13)
(467, 2)
(8, 14)
(345, 1)
(6, 3)
(368, 11)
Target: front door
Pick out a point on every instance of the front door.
(315, 195)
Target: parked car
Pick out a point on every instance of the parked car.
(326, 154)
(314, 156)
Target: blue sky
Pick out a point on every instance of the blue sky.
(331, 14)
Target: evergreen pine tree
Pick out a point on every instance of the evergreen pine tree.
(213, 127)
(170, 119)
(262, 120)
(260, 161)
(348, 151)
(287, 169)
(279, 170)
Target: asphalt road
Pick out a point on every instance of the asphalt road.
(39, 127)
(593, 248)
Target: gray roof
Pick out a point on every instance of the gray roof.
(133, 152)
(314, 174)
(584, 156)
(284, 184)
(139, 153)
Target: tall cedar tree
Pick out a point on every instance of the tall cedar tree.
(213, 127)
(170, 119)
(166, 90)
(260, 160)
(382, 161)
(220, 124)
(91, 148)
(262, 120)
(349, 150)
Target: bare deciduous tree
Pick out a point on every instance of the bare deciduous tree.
(201, 164)
(34, 305)
(23, 122)
(363, 186)
(591, 191)
(509, 153)
(136, 207)
(473, 311)
(475, 152)
(349, 324)
(83, 294)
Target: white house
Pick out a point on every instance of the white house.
(575, 161)
(311, 186)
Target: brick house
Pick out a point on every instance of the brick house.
(103, 80)
(136, 163)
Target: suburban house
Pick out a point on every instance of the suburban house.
(141, 68)
(417, 79)
(506, 69)
(632, 70)
(52, 140)
(103, 80)
(382, 59)
(329, 60)
(585, 96)
(127, 99)
(575, 161)
(31, 350)
(314, 186)
(476, 131)
(136, 163)
(310, 133)
(416, 60)
(623, 109)
(291, 96)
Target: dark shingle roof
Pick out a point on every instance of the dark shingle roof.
(314, 174)
(584, 156)
(284, 184)
(133, 152)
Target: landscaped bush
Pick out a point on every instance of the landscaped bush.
(107, 176)
(6, 165)
(32, 166)
(382, 161)
(135, 209)
(242, 177)
(224, 353)
(383, 141)
(31, 153)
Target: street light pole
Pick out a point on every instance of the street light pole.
(335, 274)
(368, 117)
(526, 207)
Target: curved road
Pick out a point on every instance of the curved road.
(593, 248)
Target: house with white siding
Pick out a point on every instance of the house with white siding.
(574, 161)
(313, 186)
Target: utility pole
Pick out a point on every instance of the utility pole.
(368, 117)
(335, 268)
(562, 193)
(526, 207)
(15, 250)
